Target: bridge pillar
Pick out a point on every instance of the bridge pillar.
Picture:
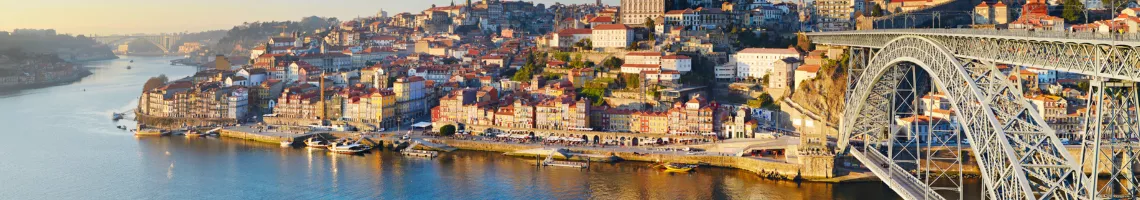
(1112, 123)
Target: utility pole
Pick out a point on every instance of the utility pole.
(324, 109)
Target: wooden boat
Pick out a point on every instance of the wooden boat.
(678, 167)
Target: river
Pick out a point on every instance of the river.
(60, 143)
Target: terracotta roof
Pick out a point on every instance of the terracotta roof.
(574, 31)
(641, 65)
(770, 51)
(611, 27)
(602, 19)
(643, 53)
(808, 68)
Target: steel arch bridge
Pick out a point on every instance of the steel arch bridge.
(165, 43)
(1018, 154)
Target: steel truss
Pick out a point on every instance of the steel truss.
(1095, 57)
(1019, 156)
(1112, 125)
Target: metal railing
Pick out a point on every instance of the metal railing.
(1012, 33)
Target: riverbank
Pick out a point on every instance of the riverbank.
(767, 168)
(85, 72)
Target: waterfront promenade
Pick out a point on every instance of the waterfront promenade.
(718, 153)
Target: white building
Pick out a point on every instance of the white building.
(726, 72)
(638, 68)
(679, 63)
(757, 62)
(661, 76)
(805, 72)
(643, 57)
(567, 37)
(612, 36)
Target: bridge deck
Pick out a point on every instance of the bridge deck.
(899, 180)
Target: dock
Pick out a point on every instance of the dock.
(151, 132)
(248, 133)
(419, 153)
(549, 161)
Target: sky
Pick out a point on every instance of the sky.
(105, 17)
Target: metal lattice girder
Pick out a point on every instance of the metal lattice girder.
(1112, 122)
(1108, 57)
(1019, 156)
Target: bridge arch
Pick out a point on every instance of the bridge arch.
(1016, 152)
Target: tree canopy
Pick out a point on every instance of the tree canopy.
(154, 82)
(447, 130)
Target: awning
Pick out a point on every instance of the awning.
(421, 125)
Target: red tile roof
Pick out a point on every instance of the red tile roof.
(611, 27)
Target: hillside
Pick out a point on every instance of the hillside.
(824, 95)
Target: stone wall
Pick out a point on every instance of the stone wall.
(176, 123)
(290, 121)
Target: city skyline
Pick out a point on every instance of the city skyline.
(139, 16)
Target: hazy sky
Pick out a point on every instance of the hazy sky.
(153, 16)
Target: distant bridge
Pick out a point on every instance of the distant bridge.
(164, 42)
(1019, 155)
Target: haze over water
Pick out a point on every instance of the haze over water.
(60, 143)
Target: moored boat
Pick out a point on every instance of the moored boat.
(348, 147)
(286, 143)
(316, 143)
(678, 167)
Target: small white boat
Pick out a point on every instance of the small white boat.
(286, 143)
(315, 143)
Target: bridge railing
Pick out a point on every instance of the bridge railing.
(1123, 37)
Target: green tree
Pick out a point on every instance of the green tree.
(632, 81)
(523, 75)
(447, 130)
(595, 90)
(562, 56)
(877, 11)
(577, 62)
(764, 101)
(613, 62)
(1073, 12)
(649, 23)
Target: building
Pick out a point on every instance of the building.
(783, 74)
(207, 100)
(649, 122)
(566, 38)
(643, 57)
(920, 128)
(563, 113)
(757, 62)
(611, 36)
(692, 117)
(805, 72)
(634, 12)
(680, 63)
(834, 15)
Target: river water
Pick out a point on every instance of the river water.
(60, 143)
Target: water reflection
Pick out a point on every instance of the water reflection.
(91, 159)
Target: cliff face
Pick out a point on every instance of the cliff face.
(824, 95)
